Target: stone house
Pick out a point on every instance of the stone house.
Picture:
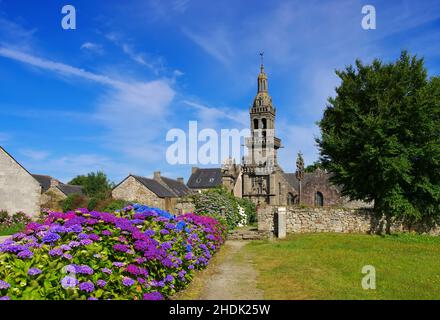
(54, 191)
(19, 190)
(160, 192)
(22, 191)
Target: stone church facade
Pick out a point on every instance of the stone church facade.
(259, 177)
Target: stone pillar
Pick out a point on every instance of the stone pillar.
(282, 223)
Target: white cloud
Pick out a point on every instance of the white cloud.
(216, 43)
(92, 47)
(133, 113)
(154, 64)
(209, 116)
(35, 154)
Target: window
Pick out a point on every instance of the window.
(211, 180)
(198, 180)
(319, 199)
(290, 199)
(264, 123)
(255, 123)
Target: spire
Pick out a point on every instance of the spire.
(262, 77)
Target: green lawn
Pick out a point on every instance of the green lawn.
(328, 266)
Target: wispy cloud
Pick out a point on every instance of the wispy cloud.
(209, 116)
(92, 47)
(132, 112)
(154, 64)
(35, 154)
(215, 43)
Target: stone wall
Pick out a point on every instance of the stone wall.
(343, 220)
(133, 190)
(19, 191)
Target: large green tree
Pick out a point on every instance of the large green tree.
(381, 137)
(95, 185)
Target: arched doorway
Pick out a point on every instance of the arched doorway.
(319, 199)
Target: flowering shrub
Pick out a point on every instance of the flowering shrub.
(17, 221)
(137, 253)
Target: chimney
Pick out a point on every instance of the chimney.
(156, 175)
(194, 169)
(180, 179)
(54, 182)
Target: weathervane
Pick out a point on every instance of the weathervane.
(262, 60)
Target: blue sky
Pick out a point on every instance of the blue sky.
(103, 96)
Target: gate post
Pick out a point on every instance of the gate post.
(282, 223)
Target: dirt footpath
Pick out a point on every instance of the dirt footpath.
(235, 278)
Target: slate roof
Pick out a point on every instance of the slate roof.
(70, 189)
(155, 187)
(205, 178)
(43, 180)
(179, 188)
(308, 177)
(45, 183)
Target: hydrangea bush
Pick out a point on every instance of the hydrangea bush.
(137, 253)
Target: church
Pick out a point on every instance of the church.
(259, 177)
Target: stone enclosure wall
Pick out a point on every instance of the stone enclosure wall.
(342, 220)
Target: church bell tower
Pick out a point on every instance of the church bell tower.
(260, 164)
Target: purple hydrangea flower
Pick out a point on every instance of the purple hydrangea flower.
(86, 242)
(87, 286)
(84, 270)
(128, 282)
(101, 283)
(118, 264)
(76, 228)
(50, 237)
(25, 254)
(92, 298)
(164, 232)
(74, 244)
(106, 233)
(107, 270)
(69, 282)
(131, 268)
(83, 236)
(34, 271)
(68, 256)
(5, 298)
(120, 247)
(94, 237)
(4, 285)
(71, 268)
(153, 296)
(56, 252)
(169, 278)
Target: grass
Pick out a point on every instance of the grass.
(11, 230)
(328, 266)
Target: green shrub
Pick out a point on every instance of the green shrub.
(74, 201)
(220, 204)
(115, 205)
(250, 210)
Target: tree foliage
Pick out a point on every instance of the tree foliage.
(95, 185)
(381, 136)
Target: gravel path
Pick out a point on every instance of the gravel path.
(235, 279)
